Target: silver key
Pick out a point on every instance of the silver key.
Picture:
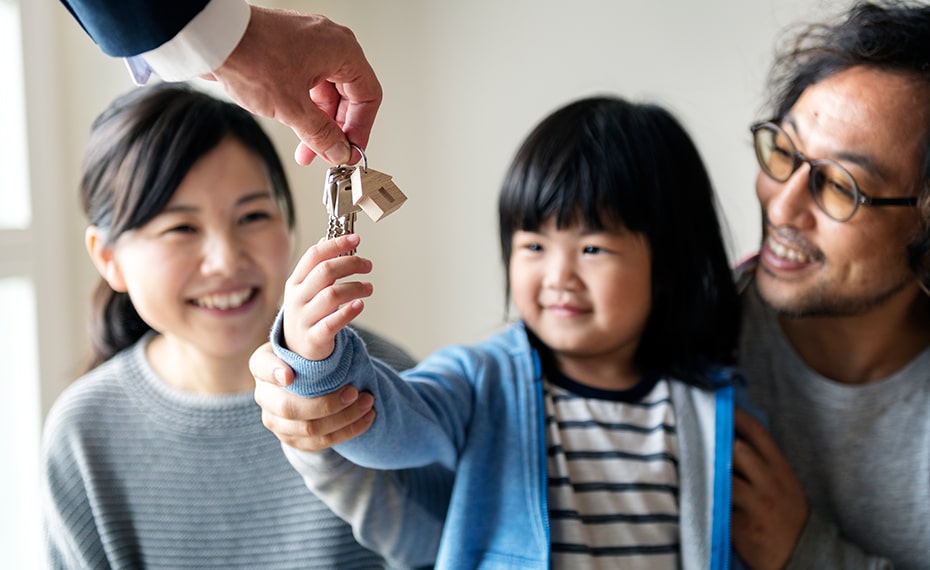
(349, 189)
(337, 197)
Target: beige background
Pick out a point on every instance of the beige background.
(464, 81)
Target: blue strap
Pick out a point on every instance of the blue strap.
(543, 465)
(723, 464)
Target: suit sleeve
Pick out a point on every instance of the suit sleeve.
(177, 39)
(124, 28)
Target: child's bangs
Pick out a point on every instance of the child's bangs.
(576, 193)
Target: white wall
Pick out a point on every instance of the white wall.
(464, 81)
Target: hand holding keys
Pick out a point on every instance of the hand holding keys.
(349, 189)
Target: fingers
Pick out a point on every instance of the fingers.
(341, 104)
(353, 104)
(308, 73)
(753, 433)
(755, 455)
(266, 367)
(303, 155)
(330, 249)
(316, 303)
(350, 96)
(313, 424)
(314, 288)
(769, 507)
(314, 339)
(747, 464)
(319, 132)
(748, 427)
(357, 111)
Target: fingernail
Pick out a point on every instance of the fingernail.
(349, 395)
(303, 155)
(279, 377)
(366, 401)
(338, 153)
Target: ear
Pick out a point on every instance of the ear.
(103, 258)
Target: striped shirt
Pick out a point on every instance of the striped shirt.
(613, 476)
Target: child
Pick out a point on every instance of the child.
(597, 431)
(157, 458)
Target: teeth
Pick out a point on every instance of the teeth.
(224, 301)
(786, 253)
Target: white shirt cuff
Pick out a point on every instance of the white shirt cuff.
(204, 43)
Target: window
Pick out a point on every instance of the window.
(14, 193)
(19, 425)
(20, 408)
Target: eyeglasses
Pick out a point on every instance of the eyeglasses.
(833, 188)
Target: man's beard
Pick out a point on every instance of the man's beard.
(819, 302)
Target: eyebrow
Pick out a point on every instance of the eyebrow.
(242, 201)
(863, 161)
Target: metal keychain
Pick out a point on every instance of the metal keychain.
(337, 197)
(349, 189)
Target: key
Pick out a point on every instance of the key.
(349, 189)
(337, 197)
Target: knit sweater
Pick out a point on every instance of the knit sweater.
(137, 474)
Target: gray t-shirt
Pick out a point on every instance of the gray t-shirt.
(862, 452)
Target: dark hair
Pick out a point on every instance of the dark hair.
(603, 161)
(888, 36)
(141, 148)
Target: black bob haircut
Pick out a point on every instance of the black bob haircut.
(602, 162)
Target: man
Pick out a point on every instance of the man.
(266, 60)
(836, 335)
(836, 313)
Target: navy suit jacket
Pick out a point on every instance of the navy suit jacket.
(124, 28)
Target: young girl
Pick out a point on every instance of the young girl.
(597, 431)
(157, 457)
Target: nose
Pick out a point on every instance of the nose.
(787, 203)
(560, 272)
(222, 253)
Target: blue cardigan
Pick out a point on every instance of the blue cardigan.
(478, 411)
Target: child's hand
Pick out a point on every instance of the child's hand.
(316, 305)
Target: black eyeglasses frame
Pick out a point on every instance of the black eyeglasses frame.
(798, 158)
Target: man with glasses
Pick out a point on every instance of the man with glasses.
(836, 338)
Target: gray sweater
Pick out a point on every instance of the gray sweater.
(862, 453)
(138, 475)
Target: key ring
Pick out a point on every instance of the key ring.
(364, 158)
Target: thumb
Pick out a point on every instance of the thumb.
(266, 367)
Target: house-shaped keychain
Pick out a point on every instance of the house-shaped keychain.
(375, 193)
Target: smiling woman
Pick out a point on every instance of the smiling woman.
(215, 221)
(157, 457)
(221, 249)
